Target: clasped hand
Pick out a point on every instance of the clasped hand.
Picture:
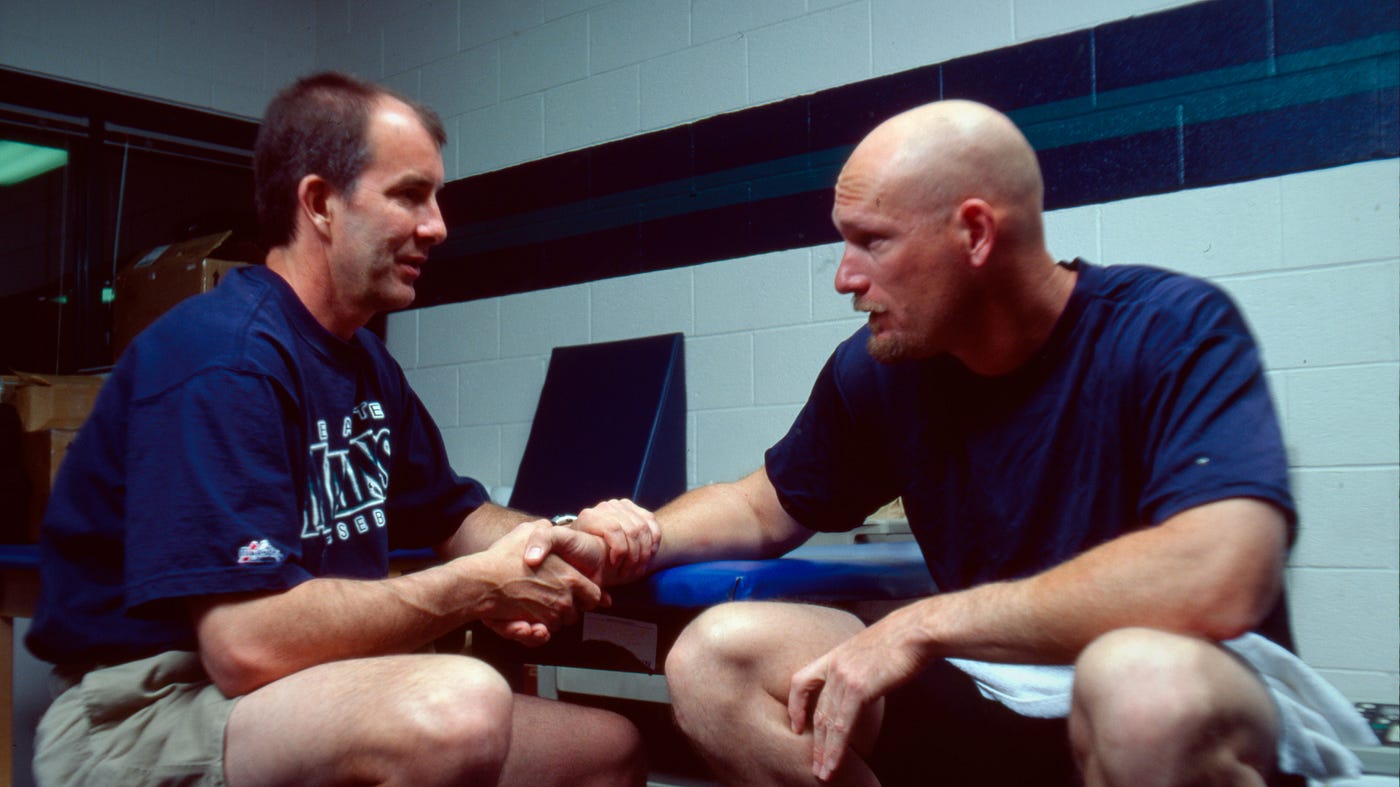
(608, 544)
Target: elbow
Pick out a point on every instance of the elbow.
(235, 669)
(1238, 605)
(235, 662)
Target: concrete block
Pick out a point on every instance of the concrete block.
(626, 32)
(643, 304)
(694, 83)
(152, 80)
(1323, 317)
(1342, 416)
(420, 35)
(1342, 214)
(715, 19)
(360, 52)
(513, 439)
(534, 323)
(266, 18)
(100, 28)
(1347, 518)
(1040, 18)
(729, 444)
(554, 9)
(365, 14)
(786, 361)
(401, 337)
(1345, 619)
(32, 53)
(475, 452)
(912, 33)
(497, 136)
(1204, 232)
(459, 332)
(406, 82)
(501, 392)
(1074, 232)
(593, 110)
(462, 82)
(239, 99)
(809, 53)
(439, 389)
(543, 57)
(490, 20)
(1364, 686)
(691, 474)
(332, 19)
(765, 291)
(719, 371)
(284, 64)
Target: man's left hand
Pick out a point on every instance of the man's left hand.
(838, 688)
(631, 535)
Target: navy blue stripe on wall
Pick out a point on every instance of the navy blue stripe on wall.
(1217, 92)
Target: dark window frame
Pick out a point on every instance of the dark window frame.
(95, 119)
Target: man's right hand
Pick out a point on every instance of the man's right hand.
(527, 599)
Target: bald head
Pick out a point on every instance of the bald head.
(932, 158)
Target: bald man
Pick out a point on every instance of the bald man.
(1089, 460)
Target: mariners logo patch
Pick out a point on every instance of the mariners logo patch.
(259, 552)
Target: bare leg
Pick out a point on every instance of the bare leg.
(409, 719)
(729, 675)
(555, 743)
(1154, 709)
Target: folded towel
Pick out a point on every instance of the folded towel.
(1316, 722)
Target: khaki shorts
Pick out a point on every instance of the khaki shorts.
(153, 721)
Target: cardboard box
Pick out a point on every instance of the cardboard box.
(162, 278)
(43, 454)
(50, 401)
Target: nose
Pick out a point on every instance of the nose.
(433, 228)
(850, 276)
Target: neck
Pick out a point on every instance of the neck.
(307, 271)
(1019, 314)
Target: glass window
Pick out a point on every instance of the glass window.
(114, 177)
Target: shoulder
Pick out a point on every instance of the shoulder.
(1165, 295)
(239, 326)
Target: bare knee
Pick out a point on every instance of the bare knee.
(453, 717)
(1147, 697)
(725, 636)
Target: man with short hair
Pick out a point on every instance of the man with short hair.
(215, 557)
(1090, 462)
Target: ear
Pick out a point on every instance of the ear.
(979, 223)
(314, 203)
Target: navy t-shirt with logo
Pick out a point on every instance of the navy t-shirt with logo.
(1148, 399)
(237, 446)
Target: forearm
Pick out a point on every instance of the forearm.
(482, 528)
(742, 519)
(1195, 575)
(248, 642)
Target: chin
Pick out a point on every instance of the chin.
(887, 349)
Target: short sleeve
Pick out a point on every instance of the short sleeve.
(1211, 430)
(211, 500)
(829, 471)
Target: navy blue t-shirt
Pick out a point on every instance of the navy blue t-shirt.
(237, 446)
(1147, 399)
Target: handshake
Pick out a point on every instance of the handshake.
(540, 576)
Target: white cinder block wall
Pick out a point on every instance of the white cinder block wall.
(1313, 258)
